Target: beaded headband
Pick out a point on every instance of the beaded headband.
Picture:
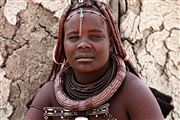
(85, 11)
(81, 15)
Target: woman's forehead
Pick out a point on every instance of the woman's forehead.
(89, 19)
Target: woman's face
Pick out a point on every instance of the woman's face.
(90, 51)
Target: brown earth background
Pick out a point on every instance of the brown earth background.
(150, 31)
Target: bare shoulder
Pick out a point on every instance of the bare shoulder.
(42, 99)
(140, 102)
(44, 95)
(133, 84)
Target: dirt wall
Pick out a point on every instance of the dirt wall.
(150, 31)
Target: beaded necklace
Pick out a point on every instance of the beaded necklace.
(66, 114)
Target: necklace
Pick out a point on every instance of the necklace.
(65, 114)
(78, 91)
(94, 101)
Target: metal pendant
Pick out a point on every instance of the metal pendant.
(81, 118)
(80, 1)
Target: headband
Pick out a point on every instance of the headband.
(81, 15)
(82, 11)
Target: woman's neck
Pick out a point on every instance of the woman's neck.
(90, 77)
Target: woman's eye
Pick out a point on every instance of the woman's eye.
(95, 37)
(73, 38)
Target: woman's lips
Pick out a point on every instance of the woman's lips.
(84, 57)
(85, 60)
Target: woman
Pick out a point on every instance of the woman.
(92, 77)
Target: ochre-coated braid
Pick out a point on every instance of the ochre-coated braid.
(124, 54)
(117, 40)
(59, 52)
(59, 49)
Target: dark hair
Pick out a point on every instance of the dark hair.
(105, 10)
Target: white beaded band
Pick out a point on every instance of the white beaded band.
(84, 11)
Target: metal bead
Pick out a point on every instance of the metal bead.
(46, 117)
(80, 1)
(81, 118)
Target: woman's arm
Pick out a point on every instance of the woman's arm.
(141, 103)
(42, 99)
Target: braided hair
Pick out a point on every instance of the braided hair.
(59, 54)
(118, 49)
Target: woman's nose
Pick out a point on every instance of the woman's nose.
(83, 44)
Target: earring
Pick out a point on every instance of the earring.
(126, 58)
(54, 58)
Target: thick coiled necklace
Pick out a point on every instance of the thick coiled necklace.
(78, 91)
(92, 96)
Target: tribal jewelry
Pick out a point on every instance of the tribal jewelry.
(78, 91)
(94, 101)
(81, 1)
(81, 21)
(126, 58)
(85, 11)
(64, 113)
(54, 58)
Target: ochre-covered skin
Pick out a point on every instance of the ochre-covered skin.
(88, 56)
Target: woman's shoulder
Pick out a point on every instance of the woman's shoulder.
(42, 99)
(44, 94)
(48, 87)
(138, 99)
(130, 88)
(134, 87)
(134, 82)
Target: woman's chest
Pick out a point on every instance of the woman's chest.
(114, 112)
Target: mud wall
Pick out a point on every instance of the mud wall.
(150, 31)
